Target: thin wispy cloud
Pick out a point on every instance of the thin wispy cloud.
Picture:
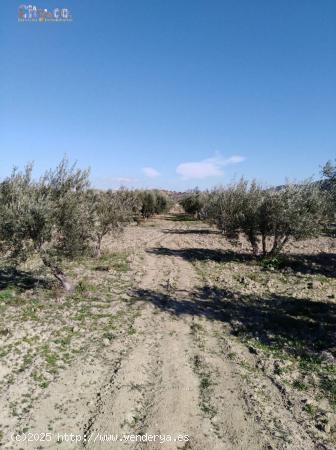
(210, 167)
(150, 172)
(110, 182)
(235, 159)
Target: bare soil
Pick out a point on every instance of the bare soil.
(174, 331)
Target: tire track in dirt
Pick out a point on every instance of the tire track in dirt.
(178, 402)
(172, 406)
(235, 419)
(243, 404)
(234, 406)
(174, 376)
(173, 409)
(122, 410)
(166, 398)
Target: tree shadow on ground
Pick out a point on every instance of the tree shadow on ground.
(11, 277)
(192, 231)
(202, 254)
(180, 218)
(297, 326)
(320, 264)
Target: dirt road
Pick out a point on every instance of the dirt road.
(177, 372)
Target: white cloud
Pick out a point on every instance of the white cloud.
(201, 169)
(234, 159)
(150, 172)
(211, 167)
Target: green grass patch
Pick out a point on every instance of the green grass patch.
(300, 385)
(113, 261)
(8, 294)
(40, 379)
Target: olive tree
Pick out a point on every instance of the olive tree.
(329, 186)
(293, 212)
(112, 211)
(162, 202)
(268, 218)
(194, 202)
(153, 202)
(26, 217)
(49, 217)
(147, 199)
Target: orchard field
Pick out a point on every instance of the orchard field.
(164, 324)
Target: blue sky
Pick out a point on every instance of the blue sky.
(172, 93)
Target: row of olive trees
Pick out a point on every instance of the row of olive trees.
(153, 202)
(114, 210)
(59, 217)
(194, 203)
(268, 218)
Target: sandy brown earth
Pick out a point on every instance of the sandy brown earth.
(180, 359)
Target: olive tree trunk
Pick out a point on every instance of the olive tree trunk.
(58, 274)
